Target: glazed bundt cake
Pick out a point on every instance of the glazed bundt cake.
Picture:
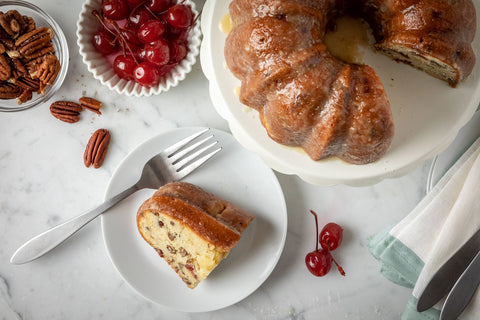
(192, 229)
(306, 97)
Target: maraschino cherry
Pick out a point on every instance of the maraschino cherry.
(104, 42)
(331, 236)
(152, 36)
(320, 261)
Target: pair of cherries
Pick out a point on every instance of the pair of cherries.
(320, 261)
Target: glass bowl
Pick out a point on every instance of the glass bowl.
(102, 69)
(42, 19)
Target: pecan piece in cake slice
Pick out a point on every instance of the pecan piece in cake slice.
(9, 90)
(35, 43)
(5, 69)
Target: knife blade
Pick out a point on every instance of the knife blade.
(444, 279)
(463, 291)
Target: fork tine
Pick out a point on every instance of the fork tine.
(175, 147)
(183, 161)
(179, 154)
(183, 172)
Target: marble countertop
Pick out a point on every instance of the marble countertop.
(43, 182)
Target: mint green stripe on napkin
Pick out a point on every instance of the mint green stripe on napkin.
(399, 264)
(411, 312)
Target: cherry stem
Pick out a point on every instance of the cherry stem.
(340, 269)
(153, 13)
(136, 7)
(196, 18)
(100, 19)
(316, 228)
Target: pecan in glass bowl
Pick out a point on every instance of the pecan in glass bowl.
(29, 74)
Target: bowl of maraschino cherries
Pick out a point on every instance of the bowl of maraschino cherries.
(139, 47)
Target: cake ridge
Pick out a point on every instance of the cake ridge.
(266, 35)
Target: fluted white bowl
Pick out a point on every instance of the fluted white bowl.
(102, 70)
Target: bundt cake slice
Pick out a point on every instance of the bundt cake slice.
(431, 35)
(192, 229)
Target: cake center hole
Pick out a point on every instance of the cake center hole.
(350, 39)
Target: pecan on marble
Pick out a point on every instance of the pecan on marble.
(96, 148)
(35, 43)
(5, 69)
(91, 104)
(66, 111)
(9, 90)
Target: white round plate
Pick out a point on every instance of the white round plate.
(465, 138)
(235, 175)
(427, 113)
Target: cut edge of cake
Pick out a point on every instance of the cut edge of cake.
(190, 240)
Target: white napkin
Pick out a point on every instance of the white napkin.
(440, 224)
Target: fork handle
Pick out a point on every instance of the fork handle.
(50, 239)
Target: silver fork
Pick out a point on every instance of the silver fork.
(172, 164)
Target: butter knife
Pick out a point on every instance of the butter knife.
(444, 279)
(463, 291)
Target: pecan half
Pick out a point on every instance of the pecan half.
(48, 70)
(18, 69)
(33, 66)
(35, 43)
(25, 96)
(29, 24)
(3, 34)
(12, 22)
(27, 57)
(5, 69)
(91, 104)
(66, 111)
(9, 90)
(96, 148)
(9, 46)
(28, 83)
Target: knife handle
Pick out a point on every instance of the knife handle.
(463, 291)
